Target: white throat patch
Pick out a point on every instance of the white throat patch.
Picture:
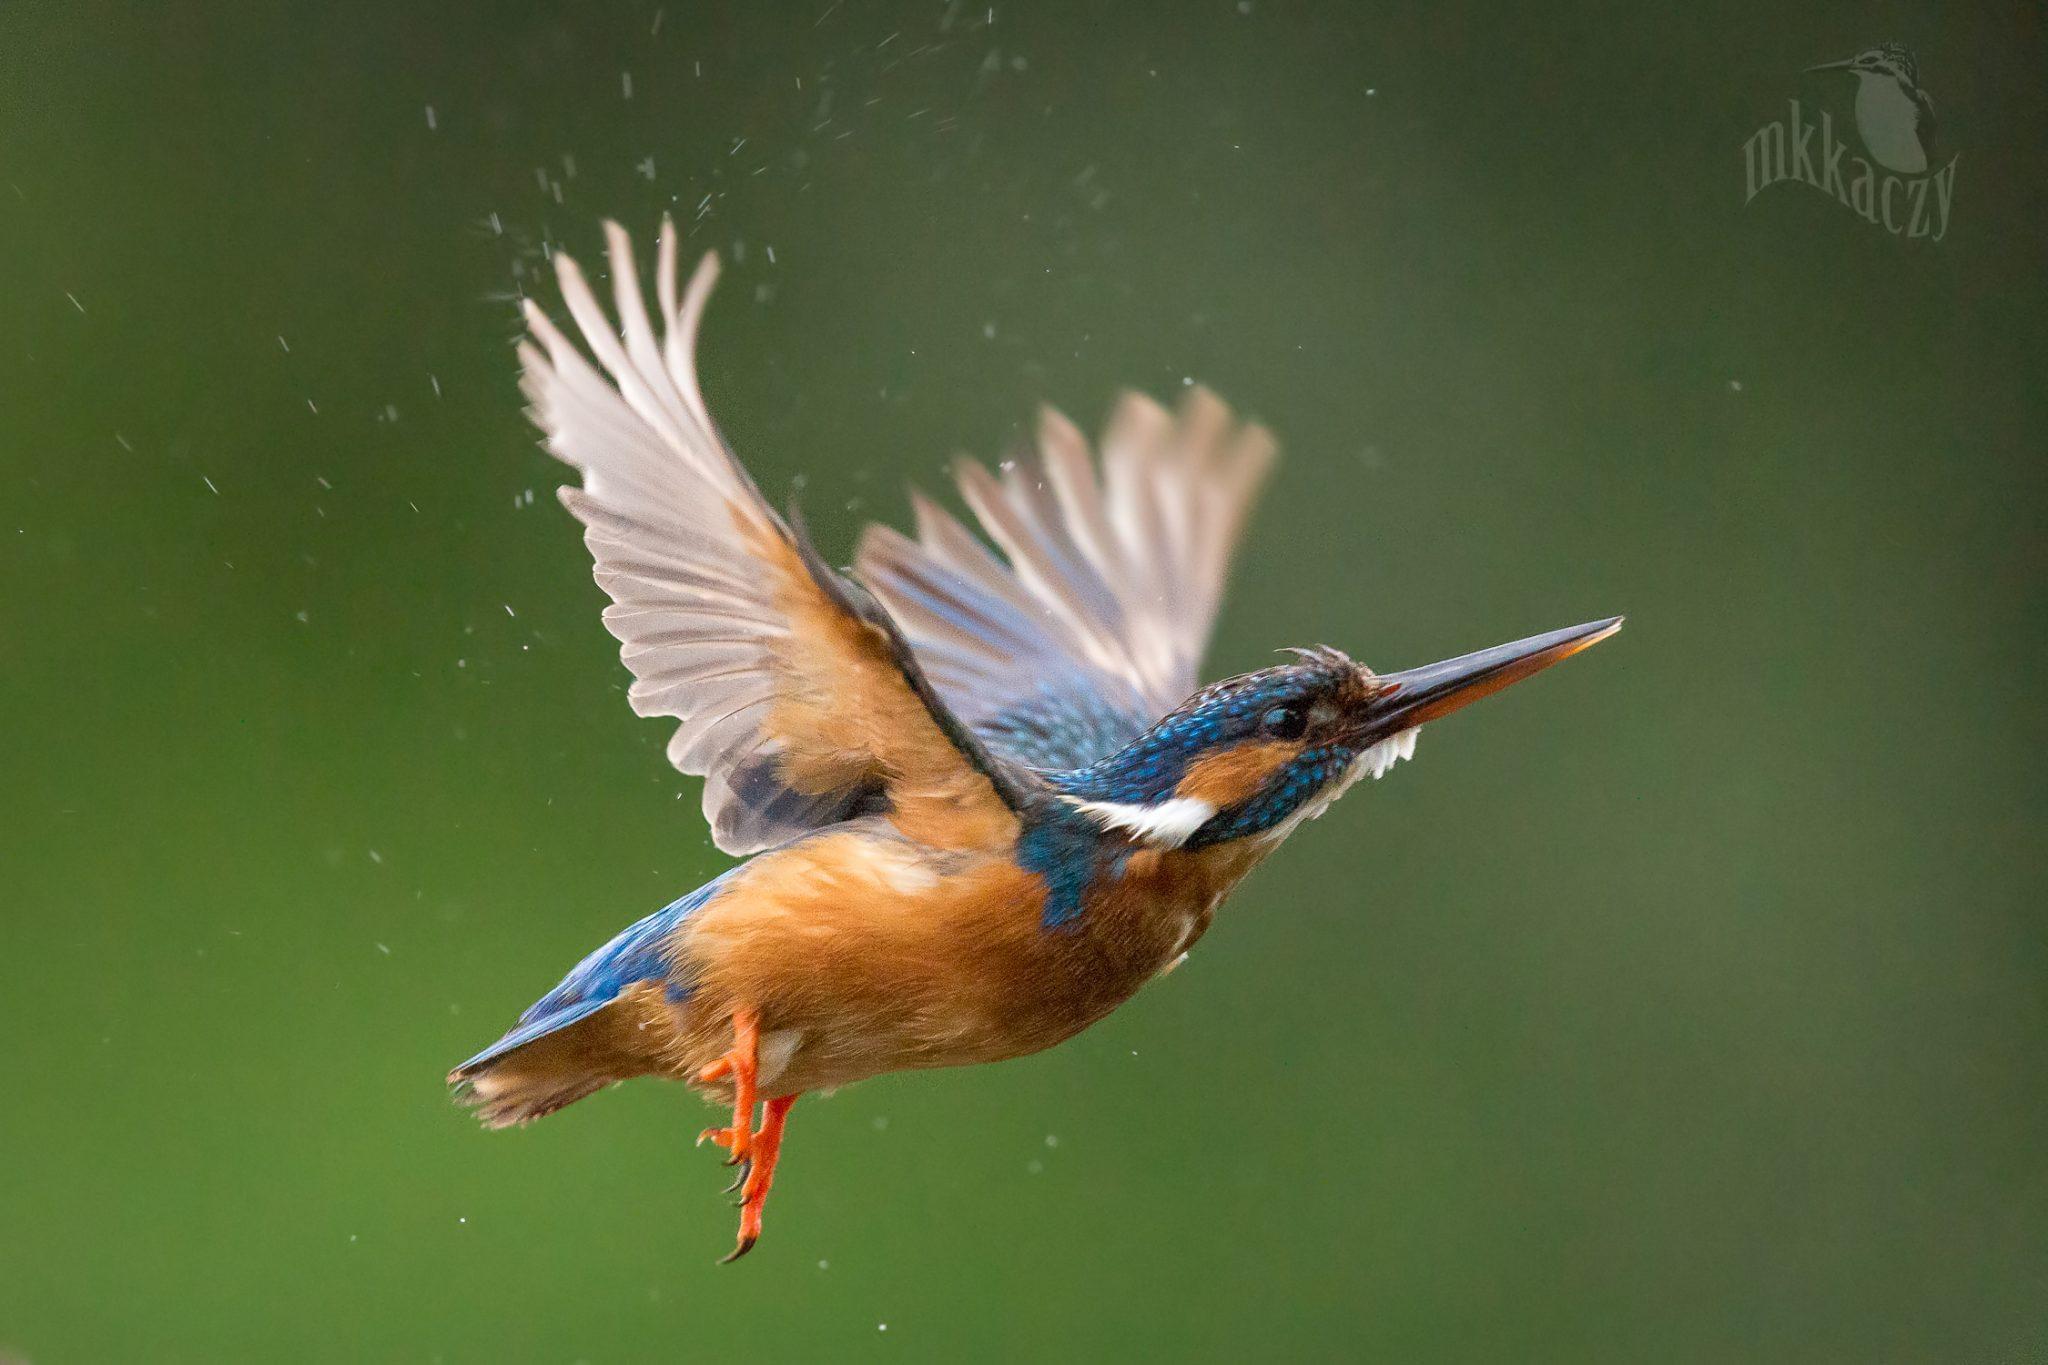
(1380, 759)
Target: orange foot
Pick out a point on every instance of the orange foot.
(741, 1064)
(765, 1148)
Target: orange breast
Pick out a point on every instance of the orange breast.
(868, 953)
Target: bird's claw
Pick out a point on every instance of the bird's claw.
(752, 1151)
(739, 1066)
(757, 1173)
(736, 1140)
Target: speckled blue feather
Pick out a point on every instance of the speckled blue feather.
(1068, 851)
(1285, 793)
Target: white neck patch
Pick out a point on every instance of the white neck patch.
(1165, 824)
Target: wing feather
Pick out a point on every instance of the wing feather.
(1093, 622)
(795, 696)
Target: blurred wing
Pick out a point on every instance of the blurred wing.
(799, 702)
(1095, 626)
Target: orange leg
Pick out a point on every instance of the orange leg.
(767, 1147)
(741, 1064)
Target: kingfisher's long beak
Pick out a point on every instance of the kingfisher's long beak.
(1845, 64)
(1409, 698)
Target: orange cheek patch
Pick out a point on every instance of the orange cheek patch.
(1228, 776)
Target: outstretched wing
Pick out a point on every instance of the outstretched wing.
(799, 702)
(1095, 626)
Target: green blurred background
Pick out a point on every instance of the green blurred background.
(1689, 1004)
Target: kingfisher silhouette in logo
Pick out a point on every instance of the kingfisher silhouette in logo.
(1894, 115)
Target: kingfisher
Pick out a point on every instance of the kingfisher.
(1894, 115)
(981, 799)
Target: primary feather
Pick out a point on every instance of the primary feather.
(797, 699)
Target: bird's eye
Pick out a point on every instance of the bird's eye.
(1284, 722)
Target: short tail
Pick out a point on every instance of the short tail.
(550, 1060)
(603, 1023)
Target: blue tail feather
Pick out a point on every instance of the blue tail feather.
(534, 1026)
(636, 954)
